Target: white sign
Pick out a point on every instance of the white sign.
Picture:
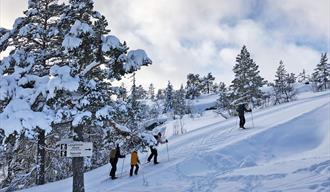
(79, 149)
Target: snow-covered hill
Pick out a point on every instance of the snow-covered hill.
(288, 149)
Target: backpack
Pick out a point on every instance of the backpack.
(113, 153)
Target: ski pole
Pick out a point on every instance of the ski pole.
(147, 155)
(122, 167)
(252, 119)
(168, 155)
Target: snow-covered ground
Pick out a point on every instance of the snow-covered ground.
(287, 149)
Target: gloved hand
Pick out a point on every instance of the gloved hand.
(166, 141)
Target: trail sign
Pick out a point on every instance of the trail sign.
(63, 148)
(79, 149)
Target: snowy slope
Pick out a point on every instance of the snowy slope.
(287, 150)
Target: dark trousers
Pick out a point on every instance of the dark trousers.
(113, 168)
(241, 121)
(154, 154)
(136, 169)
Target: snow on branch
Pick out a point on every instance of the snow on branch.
(110, 42)
(7, 87)
(118, 127)
(70, 42)
(78, 119)
(89, 67)
(104, 112)
(79, 27)
(136, 59)
(18, 116)
(61, 79)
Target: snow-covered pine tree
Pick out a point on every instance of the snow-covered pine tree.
(215, 88)
(168, 101)
(179, 102)
(283, 86)
(247, 83)
(160, 95)
(137, 112)
(207, 83)
(91, 58)
(321, 75)
(180, 106)
(151, 92)
(223, 102)
(303, 77)
(35, 41)
(193, 86)
(141, 92)
(122, 92)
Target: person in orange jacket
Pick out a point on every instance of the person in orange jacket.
(134, 162)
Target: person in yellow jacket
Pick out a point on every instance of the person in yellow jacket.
(134, 162)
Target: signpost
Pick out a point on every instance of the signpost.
(79, 149)
(76, 149)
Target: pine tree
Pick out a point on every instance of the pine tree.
(137, 112)
(215, 88)
(207, 83)
(193, 86)
(223, 102)
(283, 87)
(303, 77)
(87, 102)
(168, 102)
(321, 75)
(122, 92)
(24, 73)
(247, 83)
(160, 95)
(141, 92)
(179, 102)
(151, 92)
(180, 106)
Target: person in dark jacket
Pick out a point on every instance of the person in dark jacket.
(241, 109)
(153, 149)
(114, 156)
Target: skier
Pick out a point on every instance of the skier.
(241, 109)
(134, 162)
(114, 155)
(153, 149)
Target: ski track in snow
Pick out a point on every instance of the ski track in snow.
(272, 156)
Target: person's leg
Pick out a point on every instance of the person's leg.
(151, 155)
(136, 169)
(241, 124)
(156, 154)
(131, 171)
(113, 169)
(243, 121)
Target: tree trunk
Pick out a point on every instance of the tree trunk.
(41, 153)
(78, 164)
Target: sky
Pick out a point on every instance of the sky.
(202, 36)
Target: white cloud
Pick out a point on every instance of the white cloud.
(201, 36)
(302, 17)
(184, 36)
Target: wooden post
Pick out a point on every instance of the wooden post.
(41, 153)
(78, 164)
